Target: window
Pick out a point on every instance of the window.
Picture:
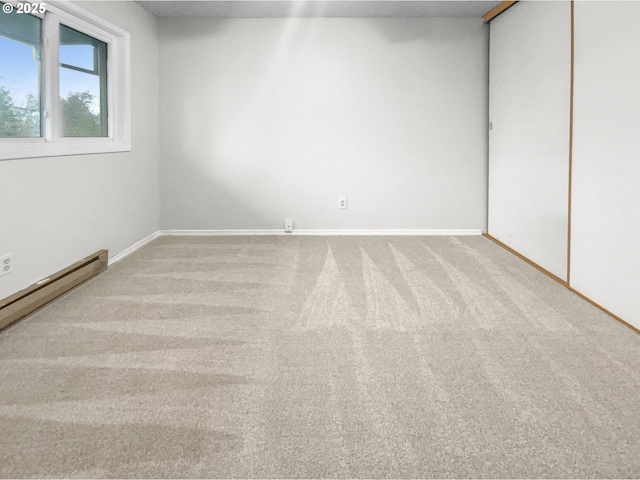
(64, 82)
(20, 47)
(83, 84)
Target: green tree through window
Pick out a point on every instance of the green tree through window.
(9, 123)
(79, 121)
(17, 122)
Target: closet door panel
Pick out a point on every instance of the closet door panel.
(529, 88)
(605, 234)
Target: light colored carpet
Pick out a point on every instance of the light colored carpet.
(320, 357)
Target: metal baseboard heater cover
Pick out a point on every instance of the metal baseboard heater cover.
(24, 302)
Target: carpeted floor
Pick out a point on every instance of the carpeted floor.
(320, 357)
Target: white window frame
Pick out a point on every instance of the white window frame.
(51, 143)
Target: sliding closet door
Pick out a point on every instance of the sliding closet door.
(529, 87)
(605, 233)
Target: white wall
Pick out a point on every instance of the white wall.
(56, 210)
(530, 79)
(267, 119)
(605, 246)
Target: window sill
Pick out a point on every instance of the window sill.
(13, 150)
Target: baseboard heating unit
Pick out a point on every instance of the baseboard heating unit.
(26, 301)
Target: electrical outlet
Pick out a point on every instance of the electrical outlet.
(6, 266)
(342, 202)
(288, 226)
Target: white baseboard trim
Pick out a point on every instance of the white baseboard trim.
(327, 232)
(133, 248)
(389, 231)
(210, 233)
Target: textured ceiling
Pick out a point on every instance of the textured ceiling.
(315, 8)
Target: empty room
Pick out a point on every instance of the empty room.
(319, 239)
